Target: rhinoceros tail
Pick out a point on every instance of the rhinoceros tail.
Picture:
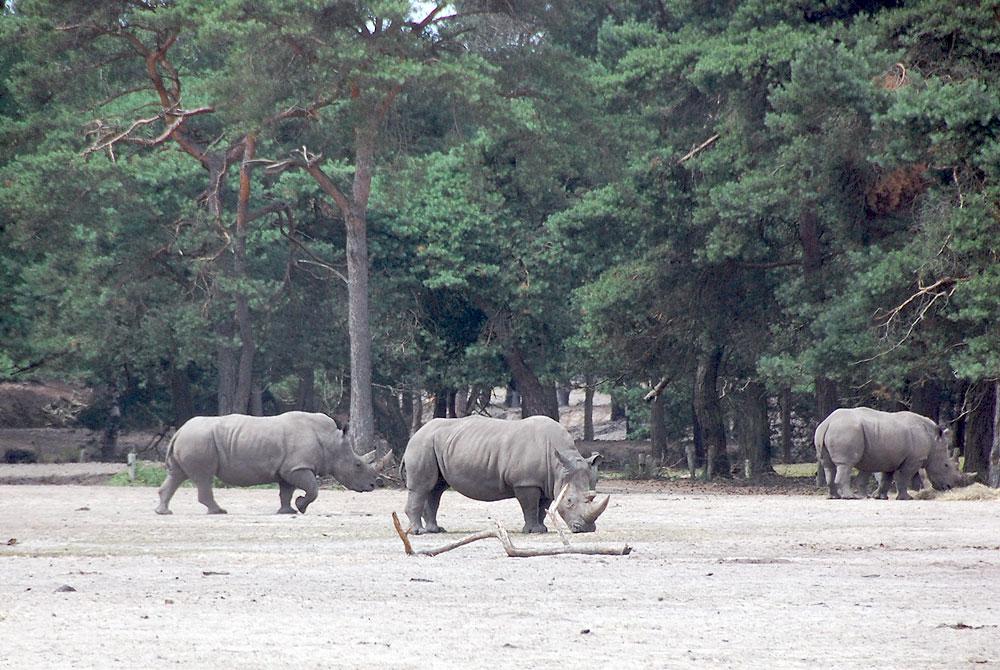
(819, 439)
(168, 458)
(402, 471)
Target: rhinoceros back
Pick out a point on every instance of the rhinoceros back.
(244, 450)
(485, 459)
(883, 439)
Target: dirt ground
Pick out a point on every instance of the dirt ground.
(714, 581)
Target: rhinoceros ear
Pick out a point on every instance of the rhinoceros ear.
(594, 459)
(566, 462)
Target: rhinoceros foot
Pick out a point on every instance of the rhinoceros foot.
(218, 510)
(534, 528)
(163, 510)
(288, 510)
(434, 529)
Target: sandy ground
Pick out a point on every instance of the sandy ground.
(714, 581)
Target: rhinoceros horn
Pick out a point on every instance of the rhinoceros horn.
(369, 458)
(596, 510)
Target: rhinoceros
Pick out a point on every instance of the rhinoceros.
(290, 449)
(897, 444)
(493, 459)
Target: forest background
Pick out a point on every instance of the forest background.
(709, 210)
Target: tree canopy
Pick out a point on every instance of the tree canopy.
(211, 206)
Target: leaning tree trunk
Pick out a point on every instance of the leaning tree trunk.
(980, 406)
(709, 412)
(756, 431)
(537, 399)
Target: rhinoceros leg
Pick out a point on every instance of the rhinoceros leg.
(175, 478)
(843, 482)
(205, 495)
(431, 508)
(862, 483)
(285, 491)
(903, 478)
(305, 480)
(884, 483)
(530, 497)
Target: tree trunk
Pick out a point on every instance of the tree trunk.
(562, 395)
(362, 430)
(709, 412)
(226, 362)
(406, 409)
(756, 431)
(925, 399)
(441, 404)
(588, 408)
(618, 409)
(994, 470)
(826, 402)
(392, 425)
(256, 400)
(305, 396)
(786, 424)
(452, 404)
(696, 450)
(112, 428)
(418, 412)
(244, 323)
(461, 403)
(181, 403)
(980, 405)
(658, 430)
(537, 399)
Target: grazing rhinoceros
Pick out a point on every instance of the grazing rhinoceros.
(493, 459)
(290, 449)
(897, 444)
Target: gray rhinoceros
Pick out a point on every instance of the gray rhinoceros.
(290, 449)
(897, 444)
(493, 459)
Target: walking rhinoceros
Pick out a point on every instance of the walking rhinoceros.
(290, 449)
(897, 444)
(493, 459)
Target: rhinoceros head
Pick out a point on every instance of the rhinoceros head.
(942, 469)
(353, 471)
(576, 502)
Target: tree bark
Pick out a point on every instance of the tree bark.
(658, 430)
(537, 399)
(588, 408)
(994, 470)
(244, 323)
(441, 404)
(305, 396)
(418, 412)
(786, 424)
(709, 412)
(980, 405)
(362, 430)
(696, 451)
(826, 402)
(925, 399)
(181, 403)
(756, 430)
(391, 423)
(406, 408)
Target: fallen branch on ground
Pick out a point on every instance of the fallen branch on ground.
(501, 534)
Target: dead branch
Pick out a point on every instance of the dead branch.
(698, 149)
(107, 137)
(942, 288)
(657, 390)
(500, 533)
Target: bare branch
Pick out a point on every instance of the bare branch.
(657, 390)
(698, 149)
(500, 533)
